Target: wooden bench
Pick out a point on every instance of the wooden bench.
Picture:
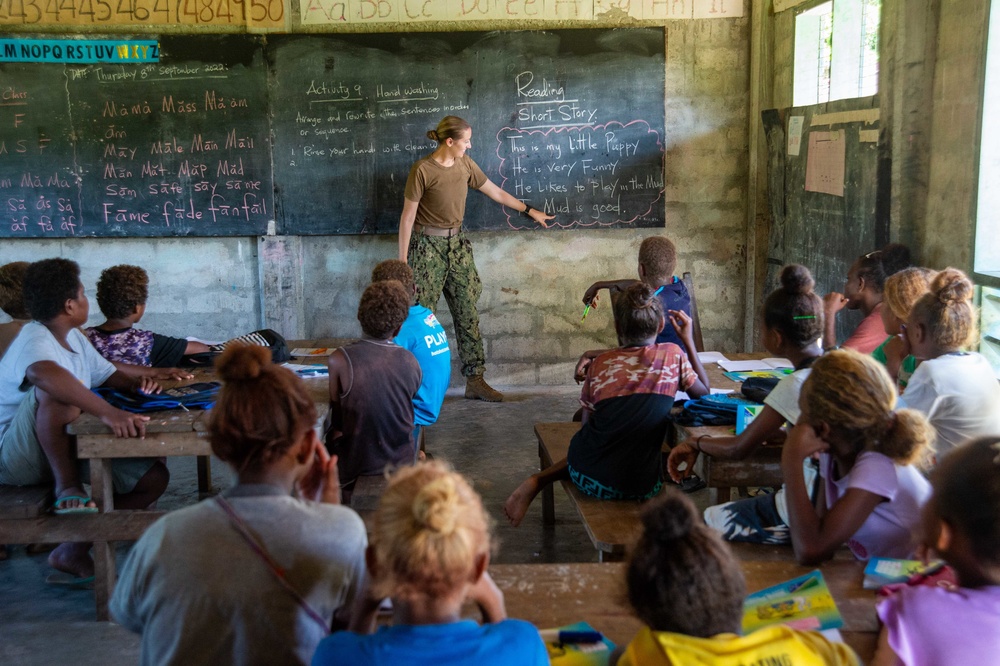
(366, 496)
(611, 525)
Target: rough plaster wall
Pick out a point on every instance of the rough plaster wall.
(205, 287)
(533, 282)
(948, 231)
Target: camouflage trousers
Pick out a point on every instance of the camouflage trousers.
(445, 265)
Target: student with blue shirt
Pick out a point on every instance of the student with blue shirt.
(429, 549)
(424, 336)
(657, 261)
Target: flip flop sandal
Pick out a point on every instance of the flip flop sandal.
(63, 579)
(71, 510)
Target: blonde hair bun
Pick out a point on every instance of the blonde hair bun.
(433, 135)
(243, 362)
(435, 508)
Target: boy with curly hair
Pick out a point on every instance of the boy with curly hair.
(122, 292)
(423, 335)
(373, 382)
(657, 261)
(12, 301)
(45, 381)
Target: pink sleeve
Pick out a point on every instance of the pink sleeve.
(869, 334)
(874, 473)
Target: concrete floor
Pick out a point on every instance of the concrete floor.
(492, 444)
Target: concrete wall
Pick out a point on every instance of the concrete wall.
(947, 235)
(215, 288)
(932, 55)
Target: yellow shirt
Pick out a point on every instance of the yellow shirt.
(764, 647)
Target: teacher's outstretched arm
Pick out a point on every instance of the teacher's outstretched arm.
(508, 200)
(406, 227)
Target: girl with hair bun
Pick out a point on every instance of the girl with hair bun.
(902, 291)
(955, 388)
(870, 492)
(937, 625)
(792, 326)
(627, 396)
(688, 589)
(258, 574)
(432, 242)
(863, 290)
(429, 553)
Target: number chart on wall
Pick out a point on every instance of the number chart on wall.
(315, 135)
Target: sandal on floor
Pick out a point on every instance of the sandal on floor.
(59, 511)
(64, 579)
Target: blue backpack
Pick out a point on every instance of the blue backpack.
(200, 395)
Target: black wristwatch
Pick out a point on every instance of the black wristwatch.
(527, 211)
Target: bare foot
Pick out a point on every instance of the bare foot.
(517, 504)
(73, 558)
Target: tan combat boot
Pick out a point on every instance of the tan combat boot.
(476, 388)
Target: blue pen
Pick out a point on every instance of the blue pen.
(657, 292)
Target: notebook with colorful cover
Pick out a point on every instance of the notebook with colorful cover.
(882, 571)
(803, 603)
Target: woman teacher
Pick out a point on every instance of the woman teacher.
(432, 242)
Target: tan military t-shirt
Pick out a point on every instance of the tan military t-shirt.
(442, 190)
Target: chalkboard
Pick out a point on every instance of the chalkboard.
(824, 232)
(570, 121)
(180, 148)
(39, 186)
(238, 135)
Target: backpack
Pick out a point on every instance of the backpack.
(708, 410)
(758, 388)
(200, 395)
(265, 337)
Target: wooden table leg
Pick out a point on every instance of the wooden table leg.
(102, 490)
(204, 475)
(548, 494)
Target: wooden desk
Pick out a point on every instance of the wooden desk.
(760, 468)
(171, 433)
(552, 595)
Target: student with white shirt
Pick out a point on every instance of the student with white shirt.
(956, 389)
(45, 381)
(793, 326)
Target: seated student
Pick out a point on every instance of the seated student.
(423, 335)
(688, 589)
(257, 574)
(902, 290)
(792, 322)
(941, 626)
(429, 552)
(863, 291)
(956, 389)
(12, 302)
(870, 493)
(627, 397)
(122, 292)
(657, 261)
(45, 381)
(372, 385)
